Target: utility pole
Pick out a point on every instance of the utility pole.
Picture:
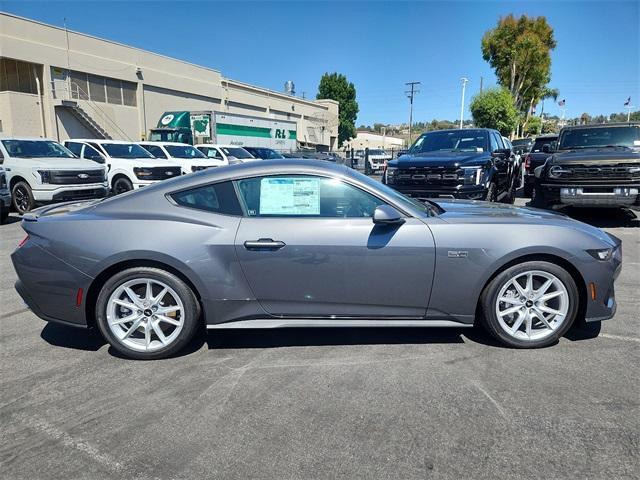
(410, 93)
(481, 79)
(464, 81)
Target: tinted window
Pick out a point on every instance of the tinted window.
(155, 150)
(217, 198)
(126, 150)
(305, 196)
(76, 148)
(237, 152)
(496, 142)
(263, 153)
(540, 142)
(35, 149)
(211, 152)
(448, 140)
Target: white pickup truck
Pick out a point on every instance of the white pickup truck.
(377, 160)
(227, 154)
(187, 156)
(129, 166)
(43, 171)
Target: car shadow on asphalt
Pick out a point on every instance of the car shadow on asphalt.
(605, 217)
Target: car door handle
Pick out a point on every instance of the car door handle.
(263, 244)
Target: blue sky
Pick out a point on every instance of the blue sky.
(379, 46)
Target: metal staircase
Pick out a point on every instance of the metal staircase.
(85, 119)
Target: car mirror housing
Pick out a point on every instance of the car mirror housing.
(502, 152)
(538, 171)
(387, 215)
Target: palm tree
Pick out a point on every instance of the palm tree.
(548, 93)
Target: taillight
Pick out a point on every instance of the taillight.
(24, 240)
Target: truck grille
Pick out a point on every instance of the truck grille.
(75, 177)
(598, 172)
(157, 173)
(441, 175)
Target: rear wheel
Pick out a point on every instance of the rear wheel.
(530, 305)
(22, 197)
(147, 313)
(122, 185)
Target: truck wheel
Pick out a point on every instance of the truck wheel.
(22, 197)
(492, 192)
(121, 185)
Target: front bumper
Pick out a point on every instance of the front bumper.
(603, 276)
(71, 192)
(589, 195)
(470, 192)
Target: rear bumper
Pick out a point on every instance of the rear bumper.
(473, 192)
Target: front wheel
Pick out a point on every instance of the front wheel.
(492, 192)
(22, 197)
(122, 185)
(530, 305)
(147, 313)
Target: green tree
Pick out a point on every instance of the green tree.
(534, 127)
(495, 108)
(335, 86)
(545, 94)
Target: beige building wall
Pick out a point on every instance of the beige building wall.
(161, 83)
(20, 114)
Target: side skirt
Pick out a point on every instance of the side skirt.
(284, 323)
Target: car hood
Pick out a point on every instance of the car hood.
(597, 155)
(63, 163)
(474, 211)
(141, 162)
(440, 159)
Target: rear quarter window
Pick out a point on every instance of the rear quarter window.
(216, 198)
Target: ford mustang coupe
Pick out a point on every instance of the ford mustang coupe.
(302, 243)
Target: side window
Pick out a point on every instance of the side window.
(495, 144)
(91, 153)
(76, 148)
(305, 196)
(154, 150)
(214, 153)
(217, 198)
(96, 147)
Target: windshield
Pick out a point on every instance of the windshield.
(450, 141)
(36, 149)
(184, 151)
(237, 152)
(594, 137)
(265, 153)
(125, 150)
(376, 152)
(521, 142)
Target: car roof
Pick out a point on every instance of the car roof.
(547, 135)
(149, 142)
(100, 141)
(221, 145)
(8, 137)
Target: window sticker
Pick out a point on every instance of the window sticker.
(289, 196)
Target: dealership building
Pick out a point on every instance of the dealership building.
(61, 84)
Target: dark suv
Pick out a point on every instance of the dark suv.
(591, 166)
(473, 164)
(536, 157)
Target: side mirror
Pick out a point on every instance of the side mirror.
(387, 215)
(96, 157)
(502, 153)
(537, 172)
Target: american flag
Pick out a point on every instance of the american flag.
(628, 102)
(562, 102)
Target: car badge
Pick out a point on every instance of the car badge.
(83, 175)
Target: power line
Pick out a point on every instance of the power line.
(410, 94)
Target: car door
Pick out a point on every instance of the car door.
(308, 247)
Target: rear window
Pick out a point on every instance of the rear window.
(216, 198)
(540, 142)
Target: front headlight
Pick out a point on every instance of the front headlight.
(602, 254)
(45, 176)
(471, 175)
(391, 174)
(197, 168)
(142, 172)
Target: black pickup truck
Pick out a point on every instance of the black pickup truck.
(591, 166)
(471, 164)
(535, 157)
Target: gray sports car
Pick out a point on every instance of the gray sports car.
(285, 243)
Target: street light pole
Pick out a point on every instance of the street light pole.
(464, 81)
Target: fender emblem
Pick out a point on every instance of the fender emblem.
(457, 254)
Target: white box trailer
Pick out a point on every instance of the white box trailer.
(225, 128)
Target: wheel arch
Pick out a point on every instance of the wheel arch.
(542, 257)
(98, 282)
(117, 176)
(15, 179)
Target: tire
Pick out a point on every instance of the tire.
(531, 331)
(121, 185)
(140, 337)
(22, 198)
(492, 192)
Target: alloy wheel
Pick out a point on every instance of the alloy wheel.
(145, 314)
(532, 305)
(21, 199)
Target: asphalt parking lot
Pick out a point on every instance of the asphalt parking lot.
(324, 403)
